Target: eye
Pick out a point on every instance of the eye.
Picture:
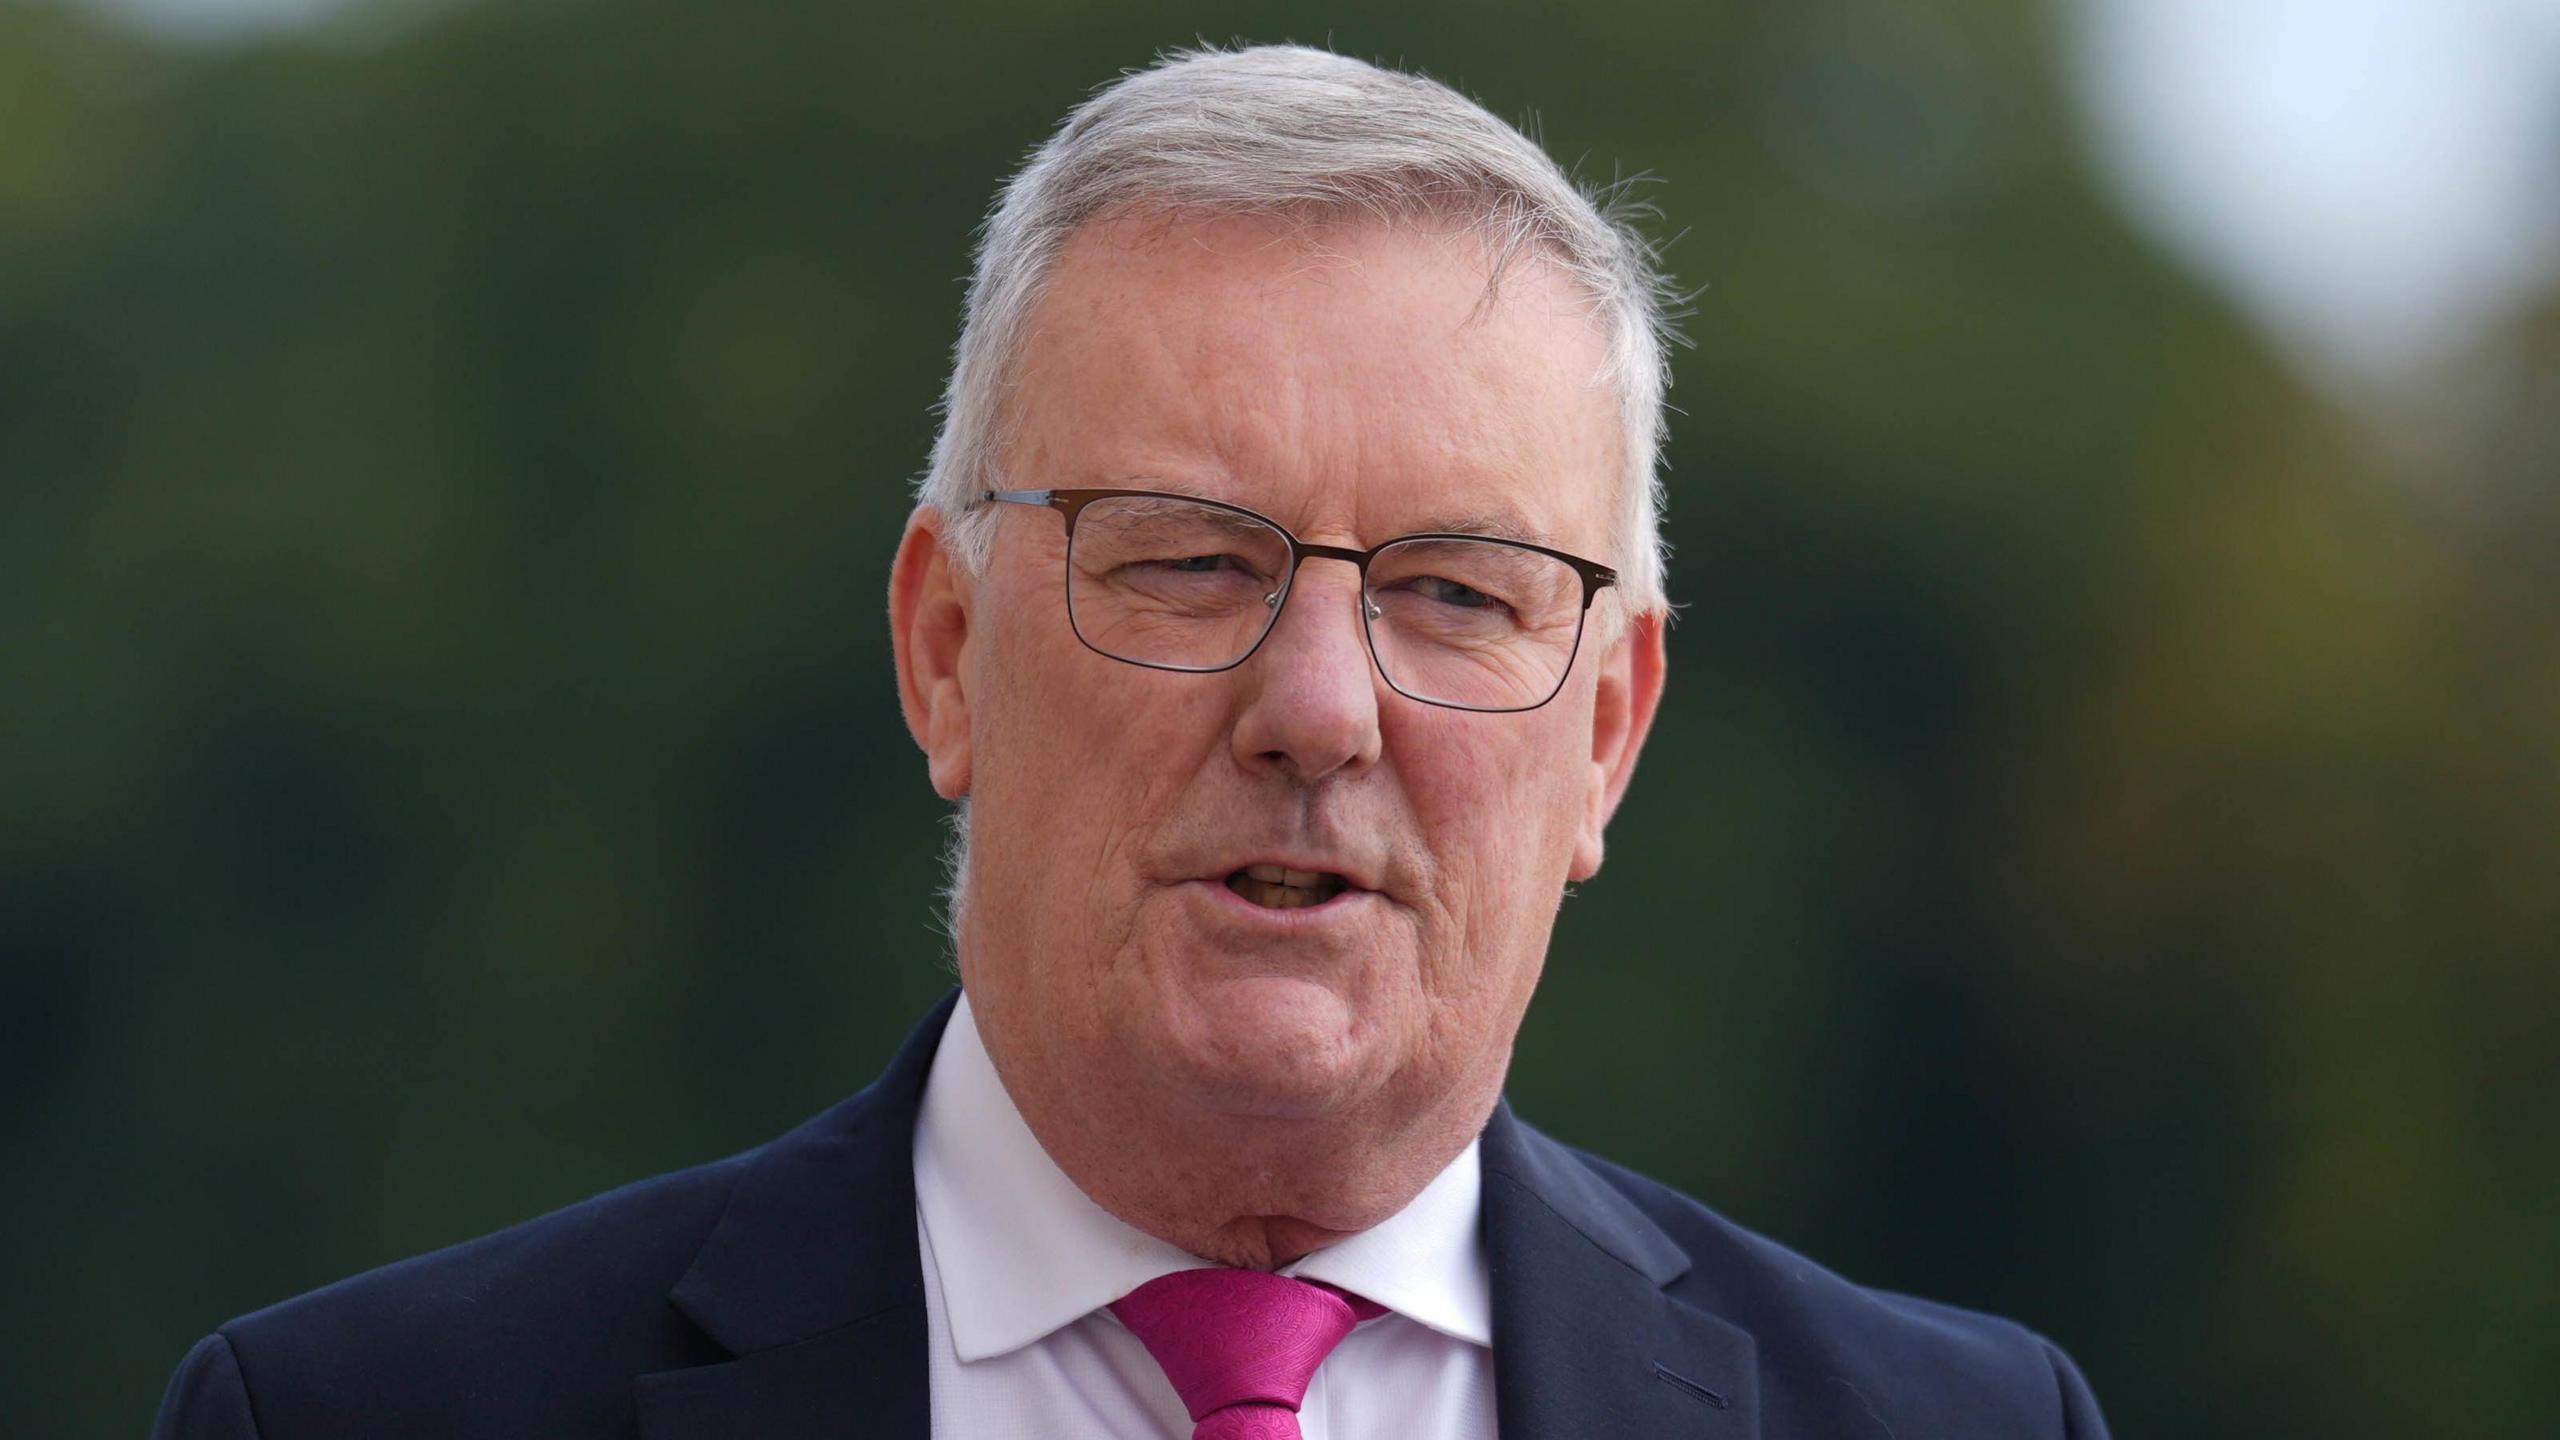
(1452, 593)
(1195, 564)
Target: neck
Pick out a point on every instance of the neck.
(1250, 1191)
(1260, 1242)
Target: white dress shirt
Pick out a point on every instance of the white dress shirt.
(1019, 1266)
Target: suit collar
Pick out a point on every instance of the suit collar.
(812, 1278)
(1586, 1340)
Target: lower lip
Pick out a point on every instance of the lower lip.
(1303, 917)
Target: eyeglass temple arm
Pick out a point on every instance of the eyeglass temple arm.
(1016, 497)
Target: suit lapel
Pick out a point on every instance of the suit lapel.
(813, 1281)
(1585, 1339)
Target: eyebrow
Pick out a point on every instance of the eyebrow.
(1496, 521)
(1499, 522)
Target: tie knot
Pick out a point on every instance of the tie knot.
(1239, 1337)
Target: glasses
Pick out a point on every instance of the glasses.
(1177, 583)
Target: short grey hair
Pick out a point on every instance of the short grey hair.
(1283, 129)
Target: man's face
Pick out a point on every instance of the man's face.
(1352, 383)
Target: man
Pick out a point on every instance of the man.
(1285, 609)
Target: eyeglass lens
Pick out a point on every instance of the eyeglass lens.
(1170, 583)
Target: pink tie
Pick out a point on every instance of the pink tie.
(1240, 1345)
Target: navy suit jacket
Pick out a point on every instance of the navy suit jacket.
(777, 1294)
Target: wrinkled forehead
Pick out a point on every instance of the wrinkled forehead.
(1364, 374)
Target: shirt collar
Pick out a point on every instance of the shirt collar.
(1021, 1252)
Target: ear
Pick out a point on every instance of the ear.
(1622, 709)
(929, 633)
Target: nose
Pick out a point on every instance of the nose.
(1310, 702)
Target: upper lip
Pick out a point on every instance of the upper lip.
(1355, 875)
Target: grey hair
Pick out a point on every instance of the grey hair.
(955, 880)
(1282, 129)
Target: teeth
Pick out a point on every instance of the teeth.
(1275, 888)
(1277, 897)
(1275, 875)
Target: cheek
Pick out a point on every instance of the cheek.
(1498, 796)
(1498, 804)
(1080, 756)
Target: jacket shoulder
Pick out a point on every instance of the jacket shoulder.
(1840, 1358)
(536, 1329)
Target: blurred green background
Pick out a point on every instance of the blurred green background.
(2103, 823)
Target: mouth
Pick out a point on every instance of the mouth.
(1277, 887)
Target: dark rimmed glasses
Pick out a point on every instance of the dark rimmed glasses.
(1174, 582)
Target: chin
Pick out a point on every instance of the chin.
(1270, 1046)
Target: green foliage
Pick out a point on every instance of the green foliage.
(2103, 821)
